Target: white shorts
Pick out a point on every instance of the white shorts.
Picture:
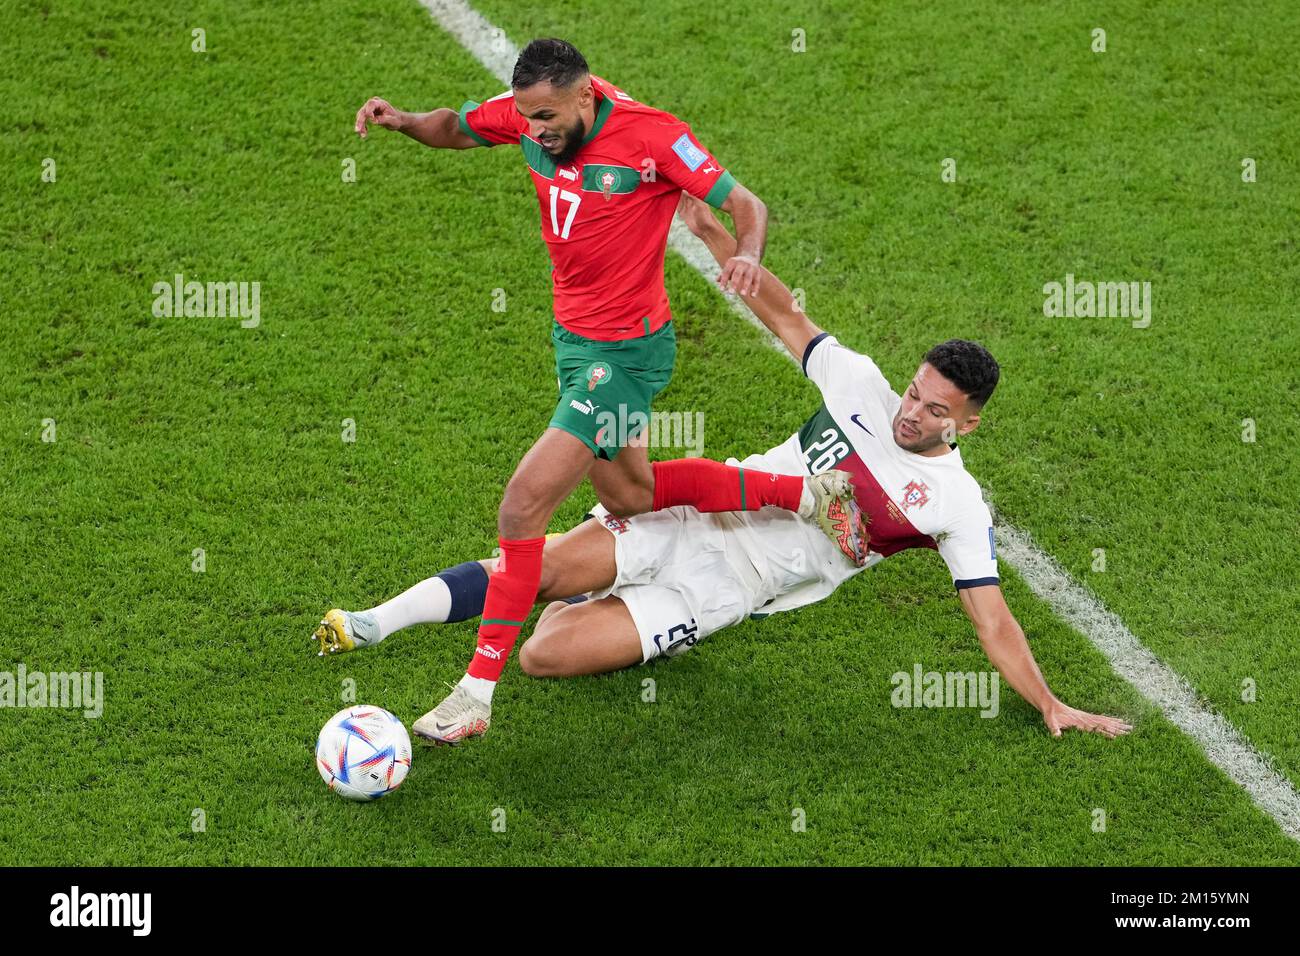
(679, 576)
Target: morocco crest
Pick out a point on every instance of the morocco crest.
(598, 374)
(608, 182)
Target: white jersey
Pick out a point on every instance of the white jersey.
(908, 500)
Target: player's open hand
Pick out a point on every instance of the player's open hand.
(740, 274)
(1060, 717)
(380, 112)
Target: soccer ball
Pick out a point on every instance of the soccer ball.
(363, 753)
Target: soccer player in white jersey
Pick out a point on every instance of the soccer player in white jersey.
(655, 584)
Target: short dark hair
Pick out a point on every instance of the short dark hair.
(968, 365)
(557, 62)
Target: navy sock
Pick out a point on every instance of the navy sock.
(468, 584)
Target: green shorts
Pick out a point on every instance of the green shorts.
(606, 387)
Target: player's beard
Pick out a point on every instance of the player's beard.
(571, 142)
(917, 443)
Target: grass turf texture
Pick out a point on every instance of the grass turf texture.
(175, 434)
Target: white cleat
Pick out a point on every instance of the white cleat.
(459, 717)
(836, 511)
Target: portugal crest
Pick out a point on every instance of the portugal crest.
(915, 493)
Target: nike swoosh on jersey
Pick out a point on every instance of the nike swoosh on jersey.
(854, 416)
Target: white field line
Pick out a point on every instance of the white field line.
(1155, 680)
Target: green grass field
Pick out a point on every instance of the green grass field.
(174, 434)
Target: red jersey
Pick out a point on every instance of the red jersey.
(605, 215)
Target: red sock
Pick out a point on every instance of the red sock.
(712, 486)
(511, 593)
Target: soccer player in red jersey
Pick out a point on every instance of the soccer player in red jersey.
(608, 173)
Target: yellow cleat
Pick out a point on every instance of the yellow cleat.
(335, 633)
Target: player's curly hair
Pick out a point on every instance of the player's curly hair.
(968, 365)
(557, 62)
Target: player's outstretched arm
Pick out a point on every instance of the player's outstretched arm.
(439, 129)
(774, 305)
(1004, 642)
